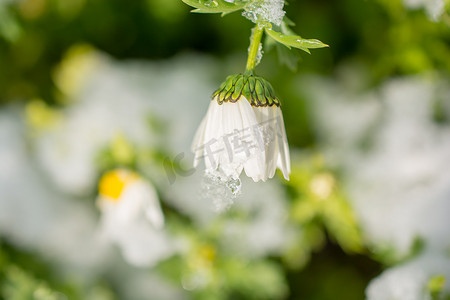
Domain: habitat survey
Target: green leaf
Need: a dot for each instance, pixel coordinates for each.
(295, 41)
(215, 6)
(261, 279)
(19, 285)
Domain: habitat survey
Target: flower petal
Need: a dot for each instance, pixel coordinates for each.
(213, 129)
(267, 118)
(284, 160)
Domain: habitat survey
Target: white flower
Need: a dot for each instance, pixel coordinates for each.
(243, 129)
(132, 217)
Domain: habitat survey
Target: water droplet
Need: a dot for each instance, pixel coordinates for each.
(234, 185)
(259, 55)
(210, 3)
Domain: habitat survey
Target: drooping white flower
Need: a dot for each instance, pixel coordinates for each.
(132, 217)
(243, 130)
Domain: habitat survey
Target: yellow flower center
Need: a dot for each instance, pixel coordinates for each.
(113, 182)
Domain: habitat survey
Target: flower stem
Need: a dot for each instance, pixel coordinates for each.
(254, 48)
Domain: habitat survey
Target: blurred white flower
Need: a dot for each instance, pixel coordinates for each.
(103, 108)
(35, 217)
(132, 217)
(409, 281)
(243, 130)
(398, 183)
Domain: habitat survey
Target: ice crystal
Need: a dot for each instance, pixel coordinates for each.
(259, 55)
(265, 11)
(222, 190)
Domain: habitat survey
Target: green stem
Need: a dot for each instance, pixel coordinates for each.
(257, 34)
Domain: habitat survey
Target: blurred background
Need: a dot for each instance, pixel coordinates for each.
(89, 86)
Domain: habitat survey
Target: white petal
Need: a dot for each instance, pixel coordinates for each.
(232, 126)
(142, 245)
(213, 132)
(204, 139)
(136, 199)
(247, 113)
(268, 127)
(198, 141)
(254, 168)
(129, 204)
(236, 140)
(152, 209)
(284, 160)
(255, 164)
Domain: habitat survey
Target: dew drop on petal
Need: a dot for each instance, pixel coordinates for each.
(210, 3)
(222, 190)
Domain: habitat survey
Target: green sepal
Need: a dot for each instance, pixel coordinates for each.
(251, 85)
(215, 6)
(294, 40)
(238, 89)
(260, 95)
(258, 91)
